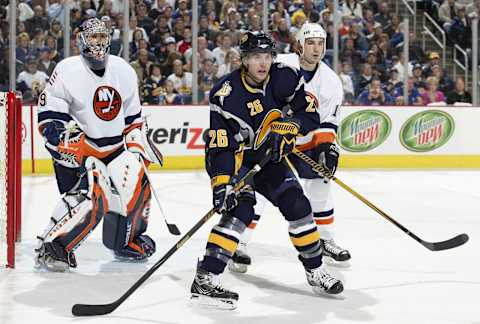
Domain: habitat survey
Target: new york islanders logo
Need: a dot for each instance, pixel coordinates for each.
(106, 103)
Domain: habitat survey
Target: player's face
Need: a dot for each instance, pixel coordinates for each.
(313, 49)
(259, 65)
(98, 42)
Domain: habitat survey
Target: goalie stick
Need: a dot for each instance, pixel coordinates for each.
(172, 228)
(93, 310)
(432, 246)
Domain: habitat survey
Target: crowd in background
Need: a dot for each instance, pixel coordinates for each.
(370, 49)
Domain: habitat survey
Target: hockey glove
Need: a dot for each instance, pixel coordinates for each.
(282, 137)
(137, 141)
(329, 154)
(224, 197)
(66, 144)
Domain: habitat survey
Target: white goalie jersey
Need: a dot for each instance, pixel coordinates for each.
(325, 95)
(103, 107)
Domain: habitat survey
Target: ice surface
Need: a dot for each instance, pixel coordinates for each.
(392, 278)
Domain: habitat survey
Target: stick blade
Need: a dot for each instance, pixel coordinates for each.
(92, 310)
(173, 229)
(448, 244)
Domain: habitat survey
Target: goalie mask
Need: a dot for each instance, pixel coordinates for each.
(311, 30)
(94, 43)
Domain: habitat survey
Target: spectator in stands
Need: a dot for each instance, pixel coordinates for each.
(38, 40)
(432, 94)
(347, 81)
(39, 20)
(31, 81)
(417, 73)
(141, 66)
(447, 11)
(133, 24)
(445, 83)
(298, 19)
(105, 8)
(364, 78)
(459, 94)
(57, 32)
(461, 30)
(134, 44)
(283, 13)
(170, 56)
(415, 49)
(473, 9)
(23, 47)
(384, 16)
(144, 21)
(359, 40)
(434, 59)
(153, 92)
(377, 67)
(182, 81)
(221, 51)
(171, 96)
(228, 65)
(205, 29)
(202, 51)
(24, 11)
(186, 42)
(46, 64)
(350, 54)
(162, 28)
(352, 8)
(414, 97)
(282, 36)
(51, 42)
(374, 95)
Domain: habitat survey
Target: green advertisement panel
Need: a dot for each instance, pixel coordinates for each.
(427, 131)
(364, 130)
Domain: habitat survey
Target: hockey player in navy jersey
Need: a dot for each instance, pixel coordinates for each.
(324, 93)
(90, 117)
(245, 119)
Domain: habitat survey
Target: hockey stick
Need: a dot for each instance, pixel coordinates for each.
(92, 310)
(172, 228)
(432, 246)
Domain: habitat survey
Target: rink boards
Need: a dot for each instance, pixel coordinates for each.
(369, 137)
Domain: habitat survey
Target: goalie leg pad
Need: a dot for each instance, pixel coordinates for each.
(76, 215)
(123, 229)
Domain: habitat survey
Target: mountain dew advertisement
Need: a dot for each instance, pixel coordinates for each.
(364, 130)
(427, 130)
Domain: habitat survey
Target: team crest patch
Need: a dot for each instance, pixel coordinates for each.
(106, 103)
(225, 90)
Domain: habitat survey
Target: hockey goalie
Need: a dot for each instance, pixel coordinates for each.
(91, 119)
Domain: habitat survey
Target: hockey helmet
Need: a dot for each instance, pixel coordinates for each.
(256, 42)
(94, 42)
(311, 30)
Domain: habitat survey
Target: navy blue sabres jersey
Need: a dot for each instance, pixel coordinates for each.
(240, 115)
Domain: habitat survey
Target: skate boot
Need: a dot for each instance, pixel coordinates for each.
(334, 253)
(140, 249)
(53, 257)
(322, 282)
(240, 260)
(206, 291)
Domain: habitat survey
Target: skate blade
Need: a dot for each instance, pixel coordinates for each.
(51, 267)
(322, 293)
(130, 259)
(213, 303)
(237, 267)
(339, 264)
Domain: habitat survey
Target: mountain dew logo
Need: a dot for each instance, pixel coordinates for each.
(364, 130)
(426, 131)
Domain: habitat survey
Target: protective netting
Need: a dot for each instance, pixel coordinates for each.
(3, 178)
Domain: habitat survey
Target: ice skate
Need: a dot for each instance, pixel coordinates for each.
(322, 282)
(334, 254)
(207, 292)
(53, 257)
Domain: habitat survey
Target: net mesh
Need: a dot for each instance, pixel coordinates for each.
(3, 179)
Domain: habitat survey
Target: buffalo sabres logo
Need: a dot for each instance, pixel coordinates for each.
(224, 90)
(106, 103)
(243, 38)
(312, 102)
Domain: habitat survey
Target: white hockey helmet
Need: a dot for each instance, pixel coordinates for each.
(311, 30)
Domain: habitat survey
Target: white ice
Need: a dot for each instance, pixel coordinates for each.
(392, 278)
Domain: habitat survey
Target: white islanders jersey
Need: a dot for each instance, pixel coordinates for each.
(325, 95)
(103, 107)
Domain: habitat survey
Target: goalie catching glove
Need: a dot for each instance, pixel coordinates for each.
(137, 141)
(283, 132)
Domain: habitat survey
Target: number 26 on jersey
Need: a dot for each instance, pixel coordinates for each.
(218, 138)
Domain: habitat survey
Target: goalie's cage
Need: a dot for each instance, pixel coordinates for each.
(10, 175)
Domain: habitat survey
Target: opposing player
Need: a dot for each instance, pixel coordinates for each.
(245, 121)
(90, 117)
(324, 93)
